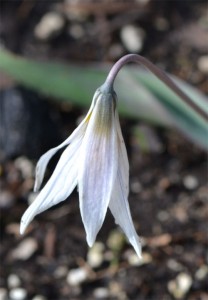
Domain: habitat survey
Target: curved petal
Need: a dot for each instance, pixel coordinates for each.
(119, 206)
(44, 159)
(58, 187)
(123, 158)
(98, 165)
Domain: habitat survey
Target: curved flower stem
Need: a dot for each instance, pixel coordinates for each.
(158, 73)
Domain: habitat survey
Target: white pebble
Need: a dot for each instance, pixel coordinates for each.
(174, 265)
(18, 294)
(132, 37)
(25, 249)
(101, 293)
(76, 31)
(202, 272)
(190, 182)
(39, 297)
(25, 166)
(172, 288)
(61, 272)
(3, 294)
(50, 24)
(76, 276)
(6, 199)
(13, 281)
(95, 255)
(203, 64)
(134, 260)
(180, 286)
(184, 281)
(163, 216)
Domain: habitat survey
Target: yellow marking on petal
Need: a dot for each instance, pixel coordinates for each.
(88, 117)
(104, 115)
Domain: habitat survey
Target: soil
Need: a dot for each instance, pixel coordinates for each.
(168, 178)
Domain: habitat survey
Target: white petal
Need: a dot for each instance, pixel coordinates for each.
(98, 166)
(59, 186)
(44, 159)
(123, 158)
(119, 207)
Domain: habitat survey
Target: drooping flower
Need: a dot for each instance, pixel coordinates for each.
(96, 161)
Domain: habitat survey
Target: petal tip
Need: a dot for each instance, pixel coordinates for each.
(90, 241)
(136, 243)
(23, 227)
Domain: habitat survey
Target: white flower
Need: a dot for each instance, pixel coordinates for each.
(95, 159)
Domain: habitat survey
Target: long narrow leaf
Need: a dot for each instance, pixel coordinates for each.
(140, 94)
(183, 117)
(77, 85)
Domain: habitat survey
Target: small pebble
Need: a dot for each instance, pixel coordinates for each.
(25, 166)
(180, 286)
(174, 265)
(76, 15)
(116, 290)
(6, 199)
(76, 31)
(203, 64)
(95, 255)
(76, 276)
(50, 24)
(3, 294)
(13, 228)
(39, 297)
(184, 281)
(164, 183)
(13, 281)
(18, 294)
(190, 182)
(202, 272)
(134, 260)
(60, 272)
(25, 249)
(101, 293)
(163, 216)
(132, 38)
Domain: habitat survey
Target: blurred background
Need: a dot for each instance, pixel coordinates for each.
(168, 171)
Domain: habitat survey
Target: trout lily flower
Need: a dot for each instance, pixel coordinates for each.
(95, 160)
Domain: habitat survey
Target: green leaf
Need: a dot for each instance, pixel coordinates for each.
(184, 118)
(141, 95)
